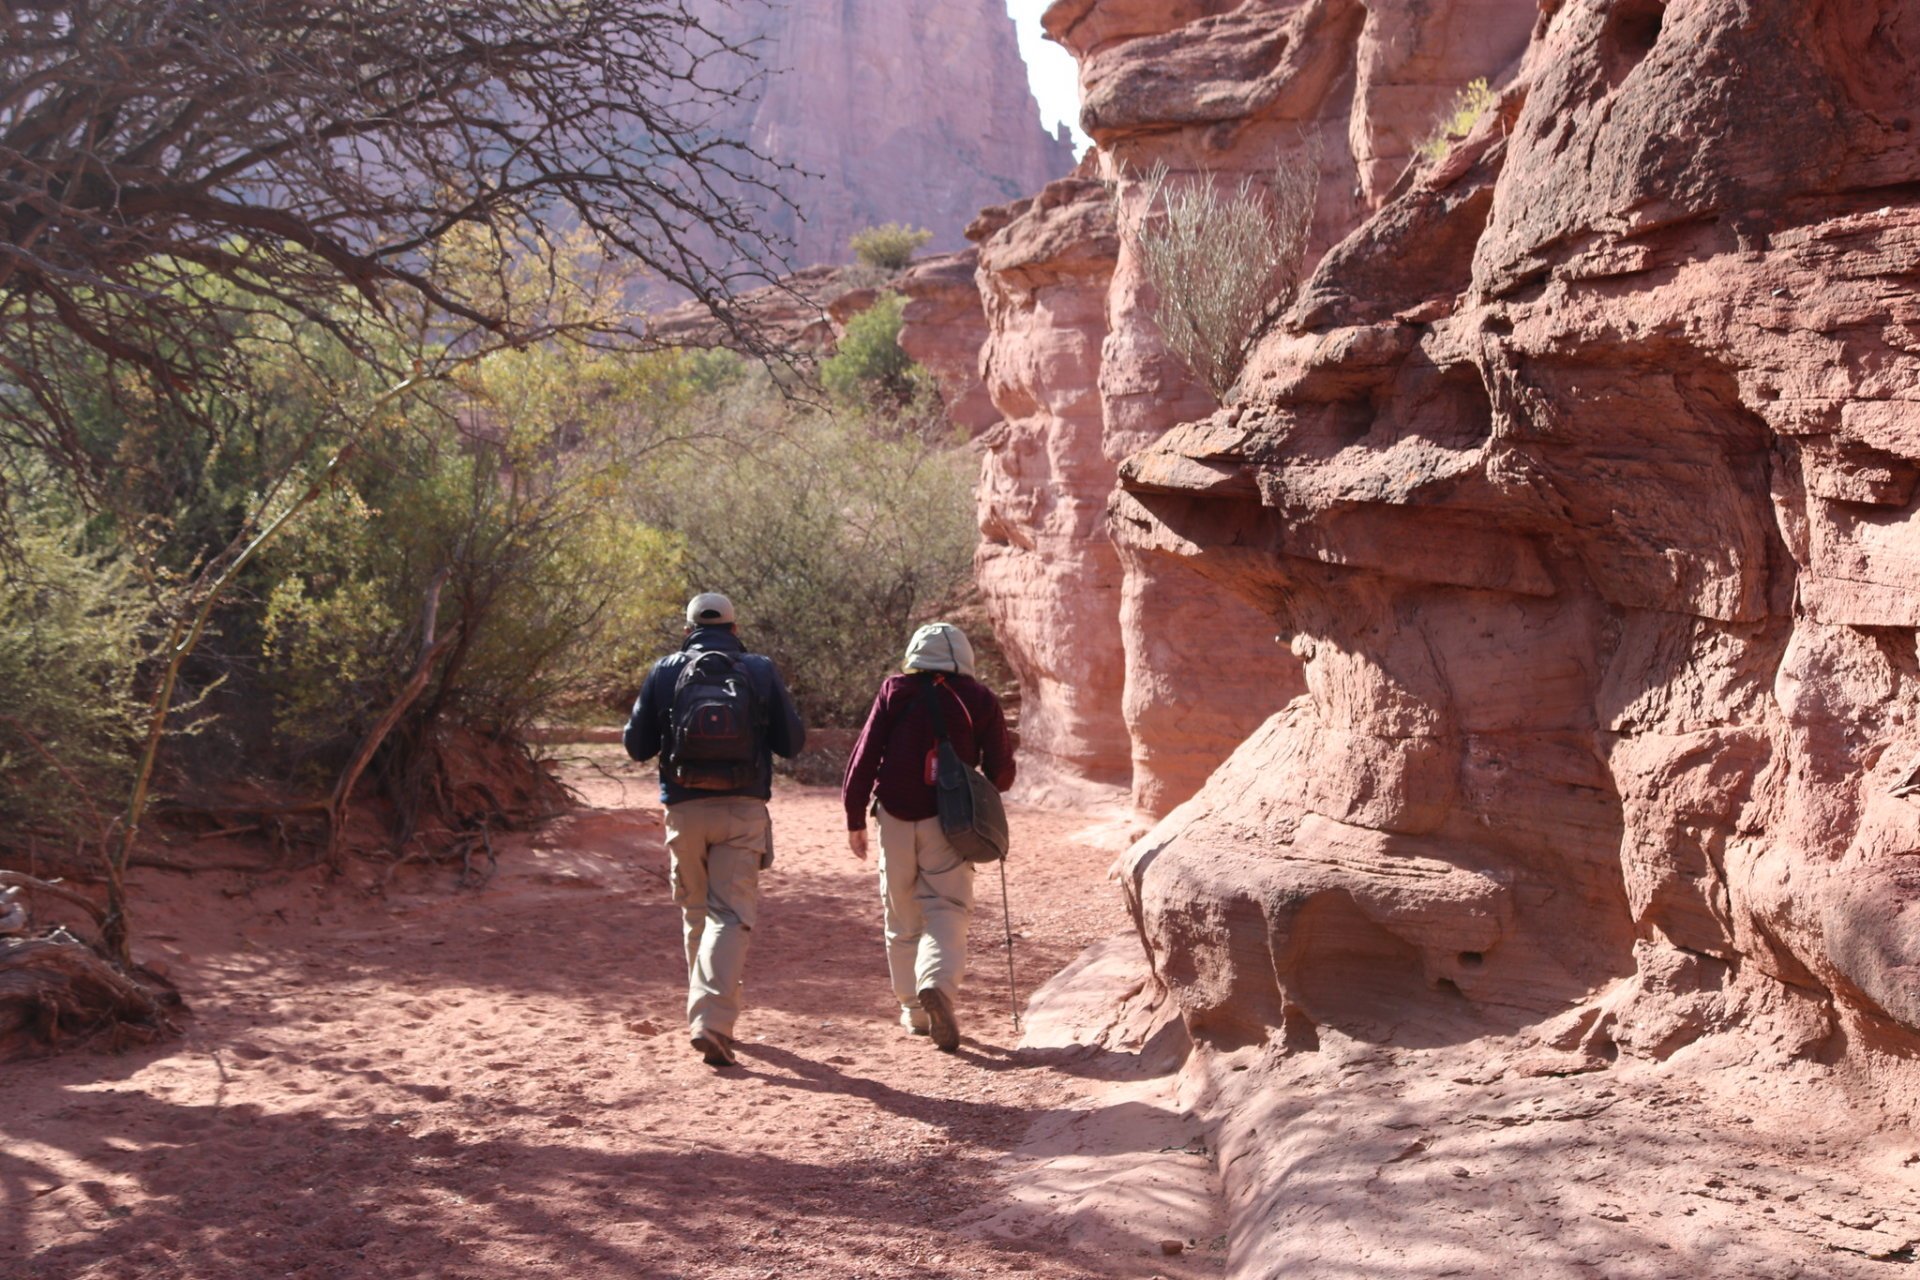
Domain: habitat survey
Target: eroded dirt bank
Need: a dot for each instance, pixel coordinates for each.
(497, 1082)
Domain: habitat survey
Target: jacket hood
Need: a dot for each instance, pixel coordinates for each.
(940, 646)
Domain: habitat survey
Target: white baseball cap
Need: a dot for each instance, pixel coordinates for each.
(709, 609)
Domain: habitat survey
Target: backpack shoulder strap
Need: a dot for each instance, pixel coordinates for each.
(931, 692)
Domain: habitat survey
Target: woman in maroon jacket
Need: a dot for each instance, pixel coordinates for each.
(926, 889)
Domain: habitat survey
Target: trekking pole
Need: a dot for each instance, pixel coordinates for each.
(1006, 914)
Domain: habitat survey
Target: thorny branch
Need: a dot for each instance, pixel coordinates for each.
(167, 169)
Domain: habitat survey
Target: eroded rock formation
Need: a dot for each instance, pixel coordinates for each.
(943, 328)
(1046, 568)
(1227, 89)
(1582, 478)
(1580, 485)
(917, 113)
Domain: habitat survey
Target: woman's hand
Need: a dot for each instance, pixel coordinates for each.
(857, 841)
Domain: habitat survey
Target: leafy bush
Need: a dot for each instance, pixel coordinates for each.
(72, 634)
(1458, 120)
(502, 482)
(1222, 262)
(507, 499)
(832, 536)
(869, 368)
(889, 247)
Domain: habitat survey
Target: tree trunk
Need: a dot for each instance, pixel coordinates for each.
(430, 651)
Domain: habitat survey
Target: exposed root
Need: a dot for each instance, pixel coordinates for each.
(55, 990)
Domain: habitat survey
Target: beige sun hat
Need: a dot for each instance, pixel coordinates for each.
(940, 646)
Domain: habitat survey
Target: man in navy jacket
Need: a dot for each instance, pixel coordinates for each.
(719, 833)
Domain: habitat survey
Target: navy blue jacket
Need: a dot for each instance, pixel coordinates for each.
(650, 726)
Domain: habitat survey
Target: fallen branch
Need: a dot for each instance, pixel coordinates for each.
(468, 880)
(430, 653)
(48, 888)
(224, 832)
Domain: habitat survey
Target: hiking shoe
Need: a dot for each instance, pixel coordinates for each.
(914, 1020)
(716, 1047)
(941, 1024)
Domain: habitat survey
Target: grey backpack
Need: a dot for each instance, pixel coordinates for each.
(973, 817)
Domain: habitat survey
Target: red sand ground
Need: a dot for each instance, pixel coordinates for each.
(459, 1083)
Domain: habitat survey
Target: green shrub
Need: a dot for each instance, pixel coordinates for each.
(1458, 120)
(833, 537)
(1221, 262)
(550, 592)
(72, 635)
(889, 247)
(869, 367)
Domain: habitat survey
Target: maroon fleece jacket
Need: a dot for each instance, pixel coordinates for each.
(891, 758)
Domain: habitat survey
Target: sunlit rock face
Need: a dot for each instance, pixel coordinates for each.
(885, 111)
(1341, 89)
(1233, 89)
(1581, 481)
(943, 328)
(1046, 568)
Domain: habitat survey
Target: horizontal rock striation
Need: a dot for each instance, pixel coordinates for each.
(1582, 480)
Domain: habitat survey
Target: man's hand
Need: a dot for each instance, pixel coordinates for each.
(857, 841)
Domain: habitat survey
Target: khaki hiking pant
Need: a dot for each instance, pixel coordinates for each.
(926, 892)
(718, 847)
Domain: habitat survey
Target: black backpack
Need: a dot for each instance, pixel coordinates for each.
(973, 817)
(715, 724)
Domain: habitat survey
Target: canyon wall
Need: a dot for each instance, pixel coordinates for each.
(885, 111)
(1229, 89)
(1526, 657)
(1582, 480)
(1047, 570)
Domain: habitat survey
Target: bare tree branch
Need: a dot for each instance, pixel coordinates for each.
(293, 149)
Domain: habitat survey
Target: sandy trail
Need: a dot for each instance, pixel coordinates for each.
(498, 1082)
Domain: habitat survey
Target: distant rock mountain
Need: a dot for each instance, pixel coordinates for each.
(914, 111)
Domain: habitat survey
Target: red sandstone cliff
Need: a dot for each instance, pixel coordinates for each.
(914, 111)
(1580, 484)
(1046, 568)
(1228, 88)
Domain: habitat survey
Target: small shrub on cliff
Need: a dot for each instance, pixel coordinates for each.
(1221, 261)
(1458, 120)
(890, 246)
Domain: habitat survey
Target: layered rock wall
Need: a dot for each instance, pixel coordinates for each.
(1582, 478)
(1047, 569)
(1229, 90)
